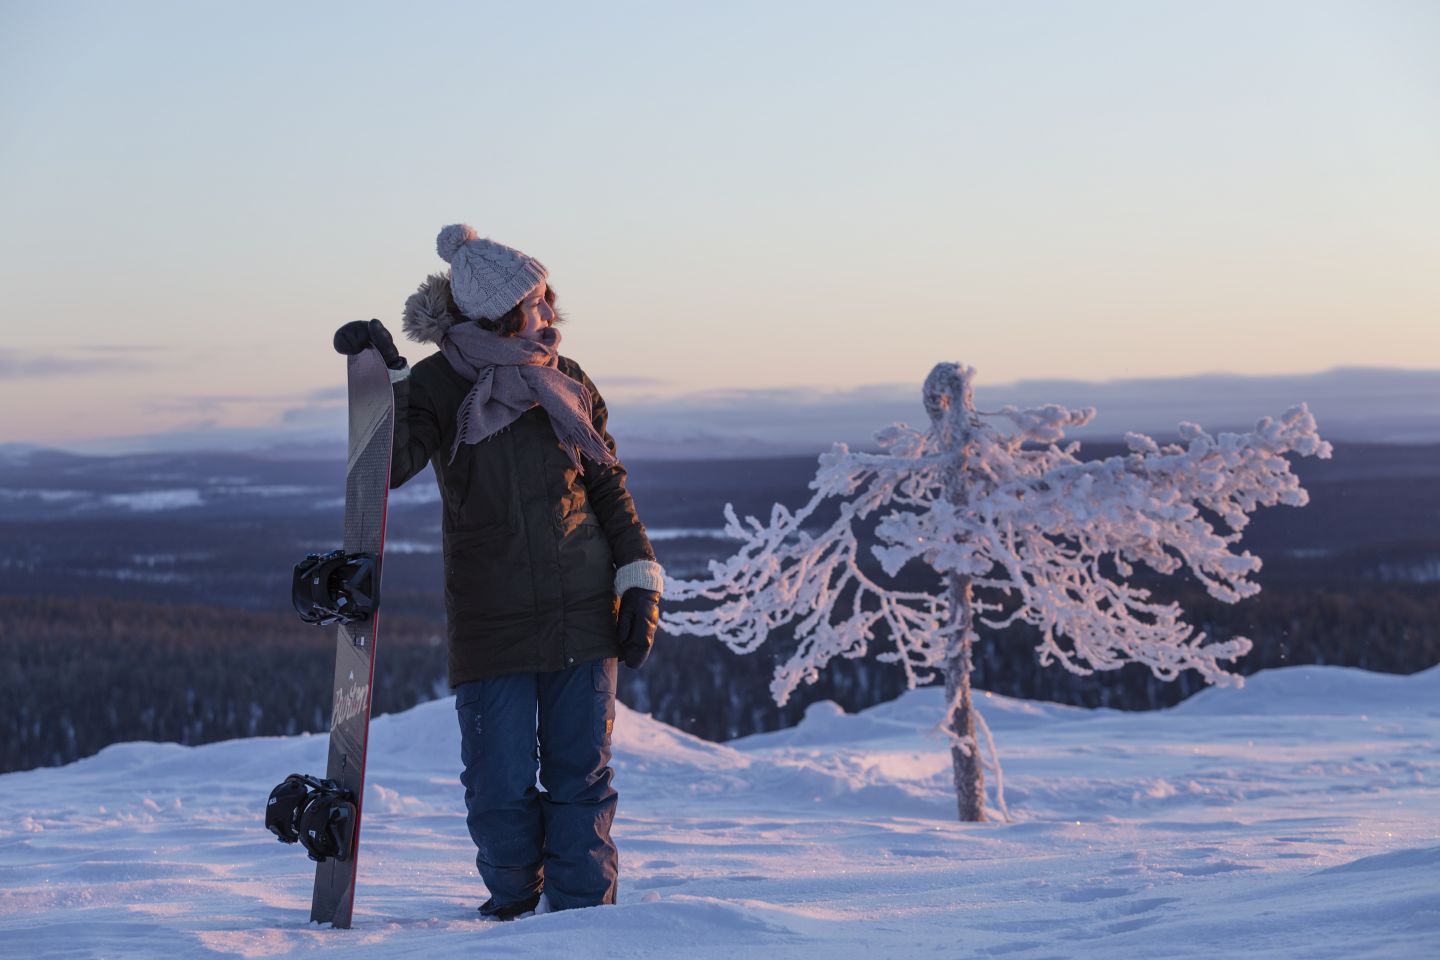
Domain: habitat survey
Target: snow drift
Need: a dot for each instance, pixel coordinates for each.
(1295, 817)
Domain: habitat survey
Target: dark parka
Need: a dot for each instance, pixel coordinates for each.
(531, 545)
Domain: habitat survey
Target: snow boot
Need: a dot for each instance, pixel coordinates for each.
(491, 910)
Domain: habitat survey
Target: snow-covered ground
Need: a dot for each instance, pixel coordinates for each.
(1298, 817)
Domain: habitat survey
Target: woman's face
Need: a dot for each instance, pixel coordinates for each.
(536, 313)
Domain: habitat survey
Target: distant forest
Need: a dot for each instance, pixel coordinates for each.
(80, 674)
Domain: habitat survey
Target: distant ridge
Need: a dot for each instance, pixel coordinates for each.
(1369, 404)
(1377, 405)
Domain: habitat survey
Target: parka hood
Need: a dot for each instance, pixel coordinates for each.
(430, 310)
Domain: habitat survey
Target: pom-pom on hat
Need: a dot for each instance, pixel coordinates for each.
(486, 278)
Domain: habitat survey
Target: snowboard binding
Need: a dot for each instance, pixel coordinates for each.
(317, 814)
(335, 587)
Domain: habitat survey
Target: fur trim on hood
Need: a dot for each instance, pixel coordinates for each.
(430, 310)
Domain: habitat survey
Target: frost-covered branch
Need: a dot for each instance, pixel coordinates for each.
(1034, 526)
(783, 574)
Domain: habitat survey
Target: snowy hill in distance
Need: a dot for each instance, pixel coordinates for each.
(1296, 817)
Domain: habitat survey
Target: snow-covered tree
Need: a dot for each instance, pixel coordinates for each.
(995, 519)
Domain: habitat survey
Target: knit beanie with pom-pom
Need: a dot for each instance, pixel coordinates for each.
(486, 278)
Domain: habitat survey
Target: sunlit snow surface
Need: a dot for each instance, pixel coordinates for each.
(1297, 817)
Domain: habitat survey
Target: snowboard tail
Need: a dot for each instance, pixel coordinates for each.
(367, 488)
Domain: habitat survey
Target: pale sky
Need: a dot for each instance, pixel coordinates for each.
(728, 196)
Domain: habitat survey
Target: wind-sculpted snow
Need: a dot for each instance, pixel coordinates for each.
(1329, 691)
(1295, 817)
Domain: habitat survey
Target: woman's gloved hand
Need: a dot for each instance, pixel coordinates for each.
(639, 615)
(356, 335)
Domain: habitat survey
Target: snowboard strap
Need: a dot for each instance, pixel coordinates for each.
(283, 809)
(327, 825)
(317, 814)
(334, 587)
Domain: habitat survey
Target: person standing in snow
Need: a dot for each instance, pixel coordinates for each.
(549, 575)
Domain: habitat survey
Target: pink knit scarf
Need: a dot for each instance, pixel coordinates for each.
(512, 375)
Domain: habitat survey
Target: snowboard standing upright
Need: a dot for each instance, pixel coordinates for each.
(367, 485)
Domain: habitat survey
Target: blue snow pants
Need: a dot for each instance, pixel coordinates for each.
(556, 839)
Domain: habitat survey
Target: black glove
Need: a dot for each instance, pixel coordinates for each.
(639, 615)
(356, 335)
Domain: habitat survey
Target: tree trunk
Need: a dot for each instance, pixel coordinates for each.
(969, 773)
(950, 403)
